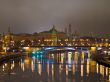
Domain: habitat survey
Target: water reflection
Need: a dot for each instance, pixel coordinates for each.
(39, 68)
(88, 66)
(22, 65)
(68, 67)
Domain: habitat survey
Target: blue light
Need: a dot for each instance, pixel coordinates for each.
(49, 48)
(70, 48)
(37, 52)
(41, 52)
(41, 56)
(33, 57)
(37, 56)
(34, 52)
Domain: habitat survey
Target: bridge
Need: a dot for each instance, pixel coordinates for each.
(41, 54)
(51, 49)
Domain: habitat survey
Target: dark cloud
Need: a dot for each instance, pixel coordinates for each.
(38, 15)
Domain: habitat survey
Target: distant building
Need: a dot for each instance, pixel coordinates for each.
(8, 37)
(48, 34)
(53, 37)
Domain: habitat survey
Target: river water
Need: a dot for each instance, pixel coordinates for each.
(75, 66)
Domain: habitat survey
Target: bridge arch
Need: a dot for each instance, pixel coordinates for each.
(41, 54)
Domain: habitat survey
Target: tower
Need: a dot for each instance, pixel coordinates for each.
(3, 44)
(66, 31)
(91, 34)
(8, 37)
(76, 34)
(9, 30)
(54, 36)
(70, 30)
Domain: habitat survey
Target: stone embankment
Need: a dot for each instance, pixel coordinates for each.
(102, 59)
(6, 57)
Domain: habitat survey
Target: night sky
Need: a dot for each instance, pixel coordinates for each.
(29, 16)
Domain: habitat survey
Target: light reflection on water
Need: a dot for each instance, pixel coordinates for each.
(70, 67)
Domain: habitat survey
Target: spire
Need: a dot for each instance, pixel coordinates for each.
(70, 25)
(53, 27)
(66, 30)
(3, 34)
(76, 34)
(9, 29)
(53, 30)
(91, 34)
(70, 30)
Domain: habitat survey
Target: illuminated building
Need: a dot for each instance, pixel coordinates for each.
(8, 38)
(52, 37)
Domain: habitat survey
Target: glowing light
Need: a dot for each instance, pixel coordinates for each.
(39, 68)
(62, 56)
(5, 64)
(82, 55)
(70, 48)
(73, 69)
(34, 52)
(69, 45)
(106, 71)
(60, 68)
(105, 52)
(82, 71)
(22, 66)
(102, 70)
(52, 55)
(67, 70)
(52, 70)
(92, 63)
(41, 52)
(99, 48)
(37, 56)
(3, 67)
(89, 54)
(32, 66)
(97, 68)
(27, 60)
(12, 65)
(88, 67)
(76, 57)
(69, 57)
(49, 48)
(26, 48)
(93, 49)
(69, 67)
(87, 70)
(108, 75)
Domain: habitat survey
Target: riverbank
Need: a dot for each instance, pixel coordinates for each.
(6, 57)
(102, 59)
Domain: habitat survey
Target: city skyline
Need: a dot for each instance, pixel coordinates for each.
(39, 15)
(67, 30)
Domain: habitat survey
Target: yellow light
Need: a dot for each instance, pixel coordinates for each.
(32, 66)
(39, 68)
(82, 71)
(92, 63)
(26, 48)
(27, 60)
(106, 71)
(69, 57)
(93, 49)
